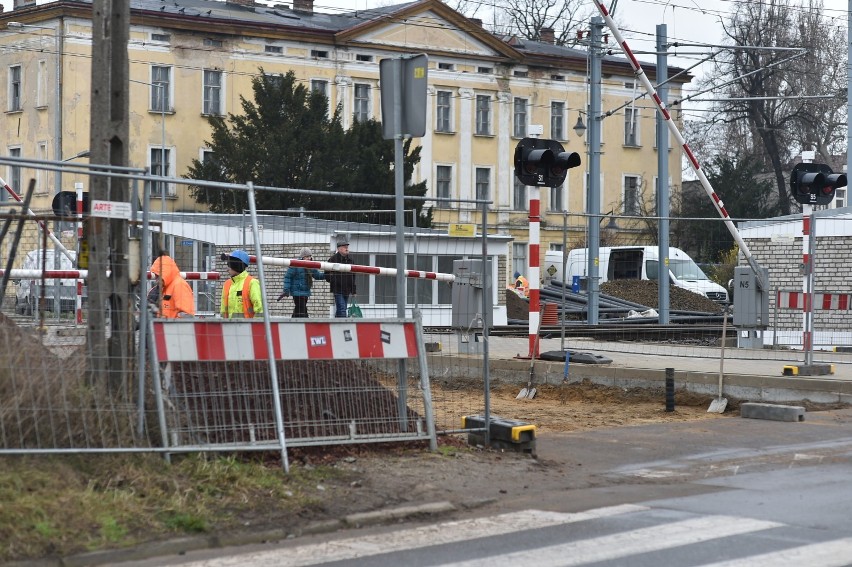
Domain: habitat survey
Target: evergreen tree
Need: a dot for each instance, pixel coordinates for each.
(286, 138)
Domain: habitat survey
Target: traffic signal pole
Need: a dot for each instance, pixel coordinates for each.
(594, 184)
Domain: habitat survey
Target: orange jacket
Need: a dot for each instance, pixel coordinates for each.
(176, 294)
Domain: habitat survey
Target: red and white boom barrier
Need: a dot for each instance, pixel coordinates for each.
(355, 268)
(705, 183)
(17, 274)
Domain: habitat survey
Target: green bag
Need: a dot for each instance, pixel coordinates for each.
(354, 310)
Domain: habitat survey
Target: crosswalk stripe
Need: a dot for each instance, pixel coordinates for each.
(837, 553)
(413, 538)
(624, 544)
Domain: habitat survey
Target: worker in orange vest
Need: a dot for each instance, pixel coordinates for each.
(241, 297)
(173, 295)
(521, 283)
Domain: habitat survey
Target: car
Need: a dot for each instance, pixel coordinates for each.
(28, 291)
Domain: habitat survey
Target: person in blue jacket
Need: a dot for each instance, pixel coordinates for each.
(298, 283)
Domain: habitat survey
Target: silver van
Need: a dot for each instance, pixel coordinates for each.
(29, 291)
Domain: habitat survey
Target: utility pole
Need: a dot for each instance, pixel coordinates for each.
(663, 178)
(110, 361)
(594, 195)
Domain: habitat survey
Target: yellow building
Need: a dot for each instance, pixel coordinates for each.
(193, 58)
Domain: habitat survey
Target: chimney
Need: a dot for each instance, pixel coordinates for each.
(476, 21)
(546, 35)
(306, 6)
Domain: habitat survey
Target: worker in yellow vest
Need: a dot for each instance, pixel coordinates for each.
(241, 297)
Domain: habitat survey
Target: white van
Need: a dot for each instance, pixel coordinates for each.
(28, 291)
(634, 263)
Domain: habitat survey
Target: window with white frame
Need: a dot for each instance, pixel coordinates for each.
(41, 93)
(443, 111)
(362, 102)
(519, 257)
(15, 88)
(519, 129)
(160, 166)
(320, 86)
(839, 198)
(631, 126)
(557, 120)
(14, 176)
(212, 92)
(483, 115)
(161, 79)
(519, 200)
(274, 80)
(483, 184)
(443, 185)
(632, 185)
(557, 201)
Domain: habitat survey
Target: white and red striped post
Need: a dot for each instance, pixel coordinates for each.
(78, 188)
(534, 268)
(534, 256)
(807, 274)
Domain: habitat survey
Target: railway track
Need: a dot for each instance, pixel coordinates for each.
(613, 332)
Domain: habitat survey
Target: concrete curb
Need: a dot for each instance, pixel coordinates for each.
(179, 546)
(772, 412)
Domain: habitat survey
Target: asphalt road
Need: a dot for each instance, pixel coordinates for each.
(731, 492)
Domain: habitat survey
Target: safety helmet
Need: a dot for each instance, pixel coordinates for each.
(240, 255)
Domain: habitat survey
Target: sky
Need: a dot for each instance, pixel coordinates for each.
(693, 21)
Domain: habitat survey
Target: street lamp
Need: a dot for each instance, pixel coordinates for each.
(579, 127)
(162, 87)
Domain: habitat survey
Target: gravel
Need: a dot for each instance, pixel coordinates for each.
(646, 293)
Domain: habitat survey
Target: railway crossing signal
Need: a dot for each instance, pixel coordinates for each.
(815, 183)
(543, 162)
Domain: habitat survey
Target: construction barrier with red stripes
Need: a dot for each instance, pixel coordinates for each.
(821, 300)
(337, 382)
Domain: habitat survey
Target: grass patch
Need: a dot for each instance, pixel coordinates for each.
(61, 505)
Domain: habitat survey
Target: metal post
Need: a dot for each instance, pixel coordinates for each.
(486, 307)
(399, 189)
(143, 306)
(267, 327)
(564, 283)
(163, 147)
(663, 179)
(594, 200)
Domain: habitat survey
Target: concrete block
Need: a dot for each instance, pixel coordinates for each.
(774, 412)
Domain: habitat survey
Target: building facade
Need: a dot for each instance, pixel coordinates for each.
(190, 59)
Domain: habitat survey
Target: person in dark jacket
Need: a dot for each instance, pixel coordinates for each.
(342, 284)
(298, 283)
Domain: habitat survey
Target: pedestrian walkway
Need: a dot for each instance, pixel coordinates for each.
(621, 534)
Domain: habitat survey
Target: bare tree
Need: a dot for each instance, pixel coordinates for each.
(528, 17)
(765, 116)
(822, 122)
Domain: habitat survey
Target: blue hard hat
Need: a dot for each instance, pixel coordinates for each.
(517, 275)
(240, 255)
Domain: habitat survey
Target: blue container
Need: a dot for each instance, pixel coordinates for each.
(575, 284)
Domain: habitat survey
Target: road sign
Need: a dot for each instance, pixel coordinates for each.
(110, 209)
(411, 75)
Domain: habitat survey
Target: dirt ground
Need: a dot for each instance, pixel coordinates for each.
(574, 407)
(387, 476)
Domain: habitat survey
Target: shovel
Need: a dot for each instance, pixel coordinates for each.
(719, 404)
(529, 391)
